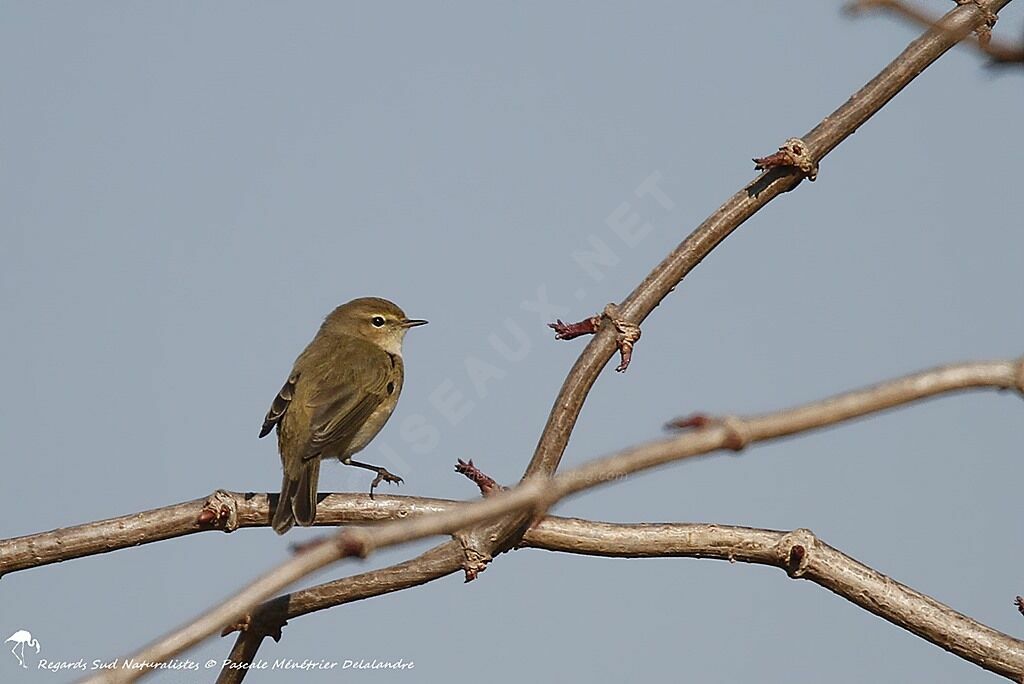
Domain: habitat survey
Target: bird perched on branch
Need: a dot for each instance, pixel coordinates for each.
(341, 391)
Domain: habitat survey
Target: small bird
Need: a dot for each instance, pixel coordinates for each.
(341, 391)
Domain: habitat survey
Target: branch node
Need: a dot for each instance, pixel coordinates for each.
(997, 54)
(354, 543)
(794, 153)
(795, 551)
(220, 511)
(473, 562)
(736, 434)
(626, 333)
(984, 30)
(487, 484)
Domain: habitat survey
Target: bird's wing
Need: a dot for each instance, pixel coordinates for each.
(280, 405)
(339, 406)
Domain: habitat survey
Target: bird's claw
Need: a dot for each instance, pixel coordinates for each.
(384, 476)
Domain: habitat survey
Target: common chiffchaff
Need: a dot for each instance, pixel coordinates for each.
(341, 391)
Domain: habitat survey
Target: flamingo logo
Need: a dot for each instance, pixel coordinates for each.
(22, 638)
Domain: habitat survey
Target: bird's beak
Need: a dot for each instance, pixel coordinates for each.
(413, 322)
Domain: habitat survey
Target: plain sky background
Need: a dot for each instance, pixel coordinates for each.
(188, 188)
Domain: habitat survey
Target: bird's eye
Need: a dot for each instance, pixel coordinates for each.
(378, 321)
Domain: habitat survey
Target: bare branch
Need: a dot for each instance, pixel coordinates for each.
(247, 510)
(536, 495)
(825, 137)
(270, 617)
(487, 541)
(997, 52)
(818, 563)
(254, 510)
(484, 541)
(243, 653)
(803, 556)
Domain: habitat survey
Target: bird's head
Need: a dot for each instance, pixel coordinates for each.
(374, 319)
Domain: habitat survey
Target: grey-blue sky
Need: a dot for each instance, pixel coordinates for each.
(188, 188)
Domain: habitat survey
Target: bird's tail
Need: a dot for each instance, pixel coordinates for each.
(297, 502)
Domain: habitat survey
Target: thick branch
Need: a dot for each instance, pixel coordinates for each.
(482, 543)
(270, 617)
(233, 510)
(833, 129)
(487, 540)
(803, 556)
(536, 495)
(818, 562)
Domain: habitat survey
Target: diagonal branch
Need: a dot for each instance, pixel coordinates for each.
(271, 616)
(998, 52)
(821, 140)
(536, 495)
(484, 541)
(487, 541)
(799, 553)
(233, 510)
(803, 556)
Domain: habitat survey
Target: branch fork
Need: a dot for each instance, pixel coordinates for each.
(473, 562)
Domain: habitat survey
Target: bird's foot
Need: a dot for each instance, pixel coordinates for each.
(383, 475)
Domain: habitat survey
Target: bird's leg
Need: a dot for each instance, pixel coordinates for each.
(382, 474)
